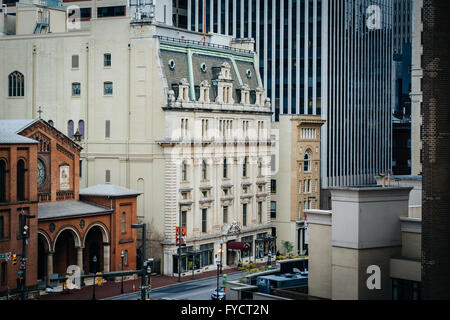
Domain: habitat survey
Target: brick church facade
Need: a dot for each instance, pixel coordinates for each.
(39, 175)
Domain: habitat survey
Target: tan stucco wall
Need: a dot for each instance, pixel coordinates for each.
(349, 273)
(406, 269)
(319, 265)
(412, 245)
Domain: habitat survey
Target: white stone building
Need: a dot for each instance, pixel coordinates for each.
(145, 98)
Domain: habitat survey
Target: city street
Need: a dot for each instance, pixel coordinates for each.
(187, 290)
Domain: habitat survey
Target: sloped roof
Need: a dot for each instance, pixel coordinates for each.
(108, 190)
(9, 131)
(61, 209)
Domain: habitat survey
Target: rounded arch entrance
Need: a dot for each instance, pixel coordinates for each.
(65, 249)
(44, 248)
(96, 244)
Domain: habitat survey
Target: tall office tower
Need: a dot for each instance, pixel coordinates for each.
(402, 23)
(288, 39)
(321, 57)
(357, 143)
(401, 107)
(416, 88)
(436, 151)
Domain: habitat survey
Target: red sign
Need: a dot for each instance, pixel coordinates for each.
(183, 235)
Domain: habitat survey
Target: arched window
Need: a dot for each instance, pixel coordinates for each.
(16, 84)
(2, 181)
(20, 180)
(184, 171)
(204, 170)
(81, 128)
(70, 129)
(307, 162)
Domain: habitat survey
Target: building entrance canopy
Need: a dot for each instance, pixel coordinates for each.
(236, 245)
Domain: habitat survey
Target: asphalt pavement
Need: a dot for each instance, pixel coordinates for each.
(200, 289)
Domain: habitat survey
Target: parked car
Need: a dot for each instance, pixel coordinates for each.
(220, 296)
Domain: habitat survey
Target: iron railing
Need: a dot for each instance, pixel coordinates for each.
(204, 44)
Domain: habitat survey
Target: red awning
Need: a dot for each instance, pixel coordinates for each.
(236, 245)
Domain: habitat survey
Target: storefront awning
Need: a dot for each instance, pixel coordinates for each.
(236, 245)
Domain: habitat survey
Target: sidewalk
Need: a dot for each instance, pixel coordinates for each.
(111, 289)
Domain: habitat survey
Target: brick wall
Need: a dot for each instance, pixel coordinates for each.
(436, 151)
(11, 209)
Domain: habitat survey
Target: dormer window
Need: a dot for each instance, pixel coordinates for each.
(245, 94)
(259, 96)
(204, 91)
(224, 84)
(183, 90)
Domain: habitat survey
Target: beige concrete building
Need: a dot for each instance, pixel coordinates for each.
(416, 88)
(159, 111)
(296, 182)
(366, 248)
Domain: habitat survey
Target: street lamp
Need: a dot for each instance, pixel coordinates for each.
(122, 254)
(221, 251)
(218, 262)
(94, 260)
(144, 234)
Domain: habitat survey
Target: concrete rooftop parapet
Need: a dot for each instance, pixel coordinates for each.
(369, 216)
(413, 225)
(316, 216)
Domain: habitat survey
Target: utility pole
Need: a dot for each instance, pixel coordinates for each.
(23, 264)
(142, 226)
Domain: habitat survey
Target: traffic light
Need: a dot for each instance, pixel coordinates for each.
(14, 258)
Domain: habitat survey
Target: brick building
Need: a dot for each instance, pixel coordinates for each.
(72, 225)
(18, 194)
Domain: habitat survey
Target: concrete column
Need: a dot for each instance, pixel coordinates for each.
(49, 265)
(80, 258)
(106, 258)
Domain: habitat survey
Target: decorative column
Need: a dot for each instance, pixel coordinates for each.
(106, 257)
(80, 258)
(49, 265)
